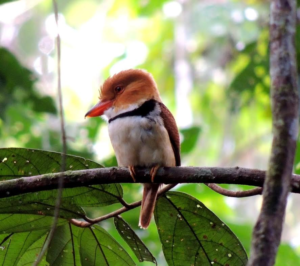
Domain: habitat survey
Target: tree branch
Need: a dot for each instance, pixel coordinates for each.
(167, 175)
(235, 194)
(285, 105)
(117, 212)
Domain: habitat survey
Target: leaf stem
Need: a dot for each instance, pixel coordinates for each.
(88, 222)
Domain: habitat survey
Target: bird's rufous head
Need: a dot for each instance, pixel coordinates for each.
(128, 87)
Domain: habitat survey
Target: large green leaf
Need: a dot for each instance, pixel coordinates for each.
(12, 223)
(16, 245)
(21, 248)
(192, 235)
(39, 207)
(43, 203)
(97, 247)
(70, 245)
(135, 243)
(63, 249)
(73, 199)
(34, 211)
(18, 162)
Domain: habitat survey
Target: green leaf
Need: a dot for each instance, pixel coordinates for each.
(70, 245)
(16, 246)
(12, 223)
(34, 211)
(30, 255)
(63, 249)
(190, 137)
(18, 162)
(73, 199)
(134, 242)
(5, 240)
(192, 235)
(97, 247)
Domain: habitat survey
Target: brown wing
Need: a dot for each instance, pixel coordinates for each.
(172, 129)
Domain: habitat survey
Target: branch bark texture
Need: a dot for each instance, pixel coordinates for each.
(285, 101)
(167, 175)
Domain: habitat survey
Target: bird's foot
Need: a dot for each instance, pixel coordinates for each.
(153, 172)
(132, 172)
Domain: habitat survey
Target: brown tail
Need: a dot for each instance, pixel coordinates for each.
(148, 204)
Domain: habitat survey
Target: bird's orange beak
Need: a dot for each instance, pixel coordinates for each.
(99, 109)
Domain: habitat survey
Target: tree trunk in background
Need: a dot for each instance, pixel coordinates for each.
(285, 105)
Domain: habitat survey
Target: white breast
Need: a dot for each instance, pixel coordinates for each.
(141, 141)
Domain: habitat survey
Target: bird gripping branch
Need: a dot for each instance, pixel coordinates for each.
(142, 130)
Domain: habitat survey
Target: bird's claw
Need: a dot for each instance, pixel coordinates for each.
(132, 172)
(153, 172)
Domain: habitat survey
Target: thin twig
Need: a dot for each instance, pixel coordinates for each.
(124, 203)
(64, 144)
(90, 222)
(235, 194)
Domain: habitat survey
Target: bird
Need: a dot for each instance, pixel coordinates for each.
(142, 130)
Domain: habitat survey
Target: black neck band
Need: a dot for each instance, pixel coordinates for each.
(146, 108)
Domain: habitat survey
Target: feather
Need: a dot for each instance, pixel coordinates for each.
(151, 190)
(148, 204)
(172, 129)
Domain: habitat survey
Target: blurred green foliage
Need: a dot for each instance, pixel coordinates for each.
(226, 51)
(17, 87)
(5, 1)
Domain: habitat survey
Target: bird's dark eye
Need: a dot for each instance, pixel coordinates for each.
(118, 89)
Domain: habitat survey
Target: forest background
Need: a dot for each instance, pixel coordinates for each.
(211, 63)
